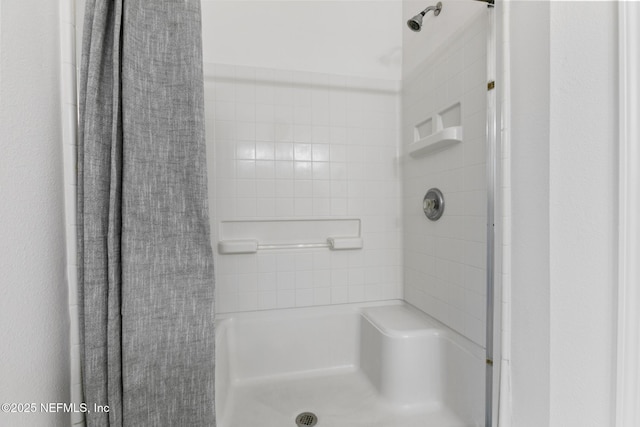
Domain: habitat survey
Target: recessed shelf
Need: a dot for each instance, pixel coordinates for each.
(437, 141)
(442, 130)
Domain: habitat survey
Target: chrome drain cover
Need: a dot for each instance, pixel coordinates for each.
(306, 419)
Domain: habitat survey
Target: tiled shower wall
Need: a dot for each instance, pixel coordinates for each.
(297, 145)
(444, 261)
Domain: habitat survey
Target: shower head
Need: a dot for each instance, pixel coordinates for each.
(415, 23)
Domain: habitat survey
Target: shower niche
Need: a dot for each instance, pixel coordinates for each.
(437, 132)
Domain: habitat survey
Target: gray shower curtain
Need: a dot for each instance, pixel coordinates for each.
(145, 268)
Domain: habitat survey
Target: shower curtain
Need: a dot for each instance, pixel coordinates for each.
(145, 265)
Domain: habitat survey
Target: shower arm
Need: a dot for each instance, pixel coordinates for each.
(436, 10)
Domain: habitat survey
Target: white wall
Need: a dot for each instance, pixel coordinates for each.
(417, 46)
(445, 261)
(530, 109)
(34, 335)
(355, 38)
(288, 145)
(303, 122)
(564, 133)
(583, 204)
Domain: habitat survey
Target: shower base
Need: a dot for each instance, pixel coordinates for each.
(340, 398)
(370, 365)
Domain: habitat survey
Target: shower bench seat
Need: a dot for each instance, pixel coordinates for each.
(383, 364)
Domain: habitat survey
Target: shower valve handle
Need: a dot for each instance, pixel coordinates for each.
(429, 204)
(433, 204)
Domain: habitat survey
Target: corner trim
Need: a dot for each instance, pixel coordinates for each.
(628, 334)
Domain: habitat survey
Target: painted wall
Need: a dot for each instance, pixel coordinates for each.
(530, 111)
(583, 230)
(354, 38)
(33, 294)
(564, 130)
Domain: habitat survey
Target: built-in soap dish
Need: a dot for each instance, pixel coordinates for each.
(440, 131)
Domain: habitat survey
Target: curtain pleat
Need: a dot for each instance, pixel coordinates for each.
(145, 264)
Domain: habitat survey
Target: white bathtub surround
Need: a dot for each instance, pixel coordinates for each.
(445, 260)
(383, 364)
(288, 145)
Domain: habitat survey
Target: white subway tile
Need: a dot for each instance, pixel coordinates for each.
(264, 94)
(339, 206)
(356, 293)
(267, 300)
(321, 171)
(304, 297)
(283, 95)
(225, 110)
(247, 282)
(265, 114)
(284, 114)
(339, 277)
(285, 208)
(247, 301)
(302, 116)
(246, 208)
(266, 188)
(245, 91)
(267, 281)
(303, 279)
(265, 132)
(245, 131)
(303, 207)
(265, 169)
(270, 177)
(321, 207)
(321, 189)
(226, 302)
(304, 261)
(321, 135)
(224, 91)
(322, 296)
(245, 112)
(302, 133)
(284, 188)
(286, 298)
(303, 170)
(245, 188)
(339, 295)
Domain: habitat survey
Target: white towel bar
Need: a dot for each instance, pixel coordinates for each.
(252, 246)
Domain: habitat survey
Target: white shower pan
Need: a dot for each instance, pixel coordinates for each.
(383, 364)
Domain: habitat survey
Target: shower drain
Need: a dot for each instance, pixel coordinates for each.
(306, 419)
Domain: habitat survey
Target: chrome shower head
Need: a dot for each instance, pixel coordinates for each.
(415, 23)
